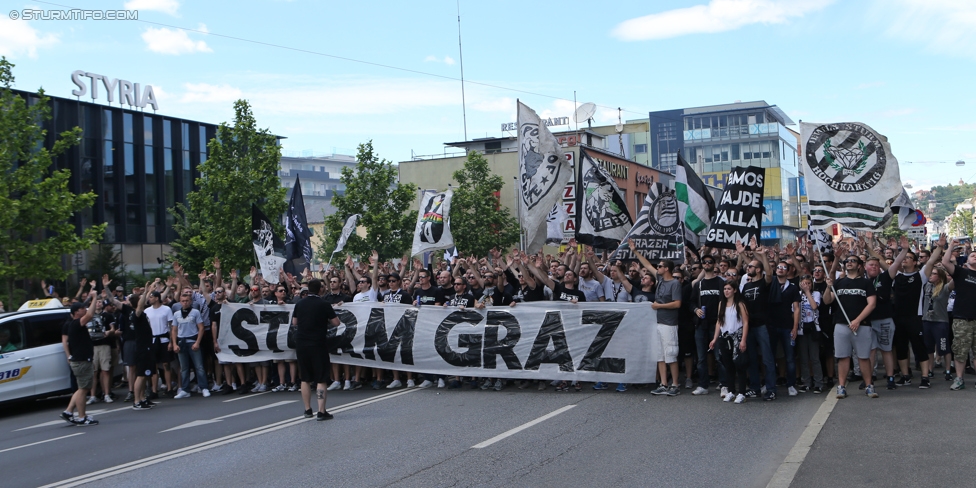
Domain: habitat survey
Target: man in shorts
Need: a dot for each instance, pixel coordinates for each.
(963, 312)
(856, 296)
(78, 349)
(140, 351)
(160, 319)
(313, 318)
(667, 302)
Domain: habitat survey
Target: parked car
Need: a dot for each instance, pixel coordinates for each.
(32, 360)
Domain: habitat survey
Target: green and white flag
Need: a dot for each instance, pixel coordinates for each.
(695, 203)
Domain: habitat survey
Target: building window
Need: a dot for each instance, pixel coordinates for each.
(640, 148)
(126, 127)
(493, 147)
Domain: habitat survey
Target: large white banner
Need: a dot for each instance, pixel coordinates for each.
(610, 342)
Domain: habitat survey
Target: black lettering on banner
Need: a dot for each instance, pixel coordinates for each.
(513, 332)
(470, 358)
(593, 360)
(237, 321)
(401, 338)
(551, 330)
(274, 321)
(343, 345)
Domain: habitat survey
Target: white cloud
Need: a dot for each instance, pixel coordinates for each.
(166, 6)
(943, 26)
(434, 59)
(717, 16)
(17, 37)
(173, 41)
(207, 93)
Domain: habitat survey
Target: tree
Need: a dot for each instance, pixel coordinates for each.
(892, 231)
(106, 261)
(961, 223)
(478, 221)
(242, 169)
(372, 191)
(36, 206)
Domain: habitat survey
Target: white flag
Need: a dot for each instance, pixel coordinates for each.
(270, 264)
(433, 229)
(852, 176)
(555, 223)
(347, 231)
(543, 173)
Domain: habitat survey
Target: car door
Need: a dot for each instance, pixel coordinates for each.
(46, 352)
(16, 375)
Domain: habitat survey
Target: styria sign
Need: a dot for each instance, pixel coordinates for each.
(127, 91)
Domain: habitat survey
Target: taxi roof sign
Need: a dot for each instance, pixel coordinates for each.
(40, 304)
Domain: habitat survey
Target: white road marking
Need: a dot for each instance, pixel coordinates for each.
(197, 423)
(787, 471)
(521, 427)
(89, 412)
(250, 395)
(40, 442)
(203, 446)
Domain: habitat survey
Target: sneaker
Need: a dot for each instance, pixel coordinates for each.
(233, 386)
(309, 414)
(599, 385)
(129, 398)
(394, 384)
(562, 386)
(149, 402)
(924, 384)
(279, 388)
(700, 391)
(440, 382)
(770, 396)
(181, 394)
(455, 384)
(957, 384)
(817, 390)
(88, 420)
(792, 391)
(261, 388)
(334, 386)
(217, 388)
(841, 392)
(486, 384)
(621, 388)
(355, 385)
(661, 390)
(426, 384)
(320, 416)
(195, 389)
(205, 393)
(728, 397)
(542, 386)
(66, 416)
(347, 386)
(673, 390)
(862, 385)
(948, 375)
(499, 385)
(141, 406)
(869, 391)
(107, 399)
(892, 384)
(578, 386)
(762, 390)
(740, 398)
(724, 392)
(376, 385)
(689, 384)
(903, 381)
(411, 384)
(474, 384)
(803, 388)
(750, 394)
(153, 396)
(91, 400)
(931, 374)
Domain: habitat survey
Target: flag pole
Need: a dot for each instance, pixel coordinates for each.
(832, 289)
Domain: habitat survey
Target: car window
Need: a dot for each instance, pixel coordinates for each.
(45, 329)
(12, 336)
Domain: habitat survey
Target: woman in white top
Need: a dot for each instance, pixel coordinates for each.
(731, 331)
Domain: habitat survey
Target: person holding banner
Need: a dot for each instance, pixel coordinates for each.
(313, 318)
(855, 296)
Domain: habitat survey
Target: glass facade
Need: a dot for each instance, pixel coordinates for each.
(121, 157)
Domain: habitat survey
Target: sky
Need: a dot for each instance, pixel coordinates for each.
(331, 75)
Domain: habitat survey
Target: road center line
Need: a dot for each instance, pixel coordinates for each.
(271, 405)
(203, 446)
(521, 427)
(787, 471)
(40, 442)
(247, 396)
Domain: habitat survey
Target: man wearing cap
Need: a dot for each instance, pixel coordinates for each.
(78, 349)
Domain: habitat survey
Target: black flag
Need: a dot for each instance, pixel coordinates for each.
(298, 244)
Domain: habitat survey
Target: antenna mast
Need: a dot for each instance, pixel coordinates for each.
(464, 110)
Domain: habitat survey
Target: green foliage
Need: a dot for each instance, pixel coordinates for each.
(892, 231)
(961, 223)
(36, 206)
(478, 221)
(946, 198)
(371, 191)
(242, 169)
(106, 261)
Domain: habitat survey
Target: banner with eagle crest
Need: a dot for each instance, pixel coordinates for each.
(602, 219)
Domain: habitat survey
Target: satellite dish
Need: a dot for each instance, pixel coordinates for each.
(619, 127)
(585, 112)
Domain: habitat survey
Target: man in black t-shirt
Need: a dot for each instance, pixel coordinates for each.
(856, 297)
(143, 357)
(461, 297)
(78, 349)
(426, 293)
(963, 311)
(706, 294)
(755, 293)
(313, 318)
(783, 321)
(881, 318)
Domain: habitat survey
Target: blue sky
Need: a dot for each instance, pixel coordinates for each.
(905, 67)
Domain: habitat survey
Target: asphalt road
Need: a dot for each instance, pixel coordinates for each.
(412, 438)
